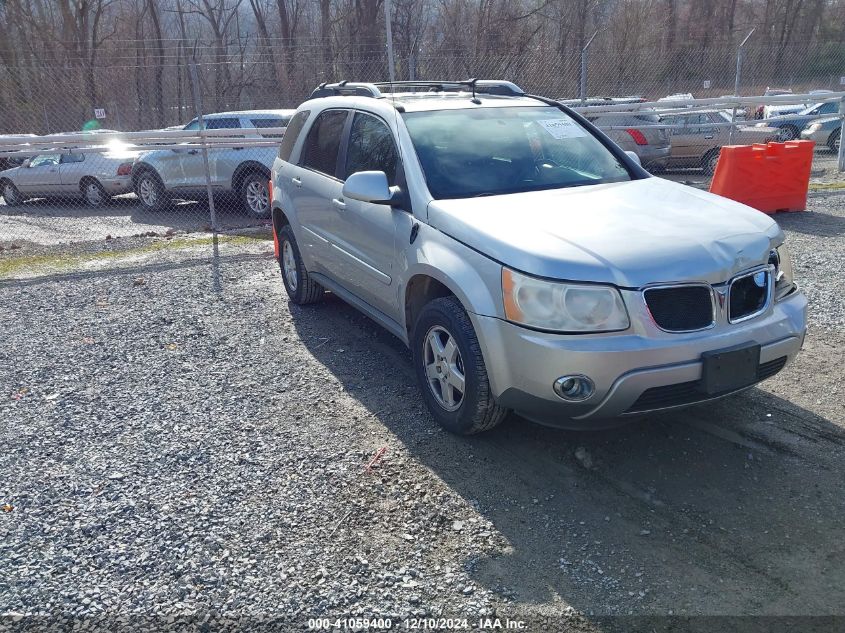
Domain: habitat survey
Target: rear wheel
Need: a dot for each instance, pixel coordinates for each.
(834, 140)
(94, 193)
(300, 287)
(10, 193)
(151, 192)
(255, 195)
(451, 371)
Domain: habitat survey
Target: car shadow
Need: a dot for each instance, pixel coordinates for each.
(731, 507)
(821, 223)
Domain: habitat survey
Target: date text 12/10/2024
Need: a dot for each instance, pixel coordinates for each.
(416, 624)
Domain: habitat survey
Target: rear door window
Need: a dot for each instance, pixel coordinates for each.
(222, 124)
(323, 142)
(294, 127)
(371, 148)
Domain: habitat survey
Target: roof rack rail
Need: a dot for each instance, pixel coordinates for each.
(346, 88)
(377, 89)
(481, 86)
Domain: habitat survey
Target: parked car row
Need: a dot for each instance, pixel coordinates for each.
(159, 175)
(693, 140)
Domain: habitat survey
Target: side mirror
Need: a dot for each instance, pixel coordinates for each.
(26, 162)
(634, 157)
(369, 186)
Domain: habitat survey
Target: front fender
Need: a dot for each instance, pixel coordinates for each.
(475, 279)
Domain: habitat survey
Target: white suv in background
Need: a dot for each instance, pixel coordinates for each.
(160, 175)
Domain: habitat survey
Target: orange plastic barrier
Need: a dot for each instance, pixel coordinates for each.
(771, 177)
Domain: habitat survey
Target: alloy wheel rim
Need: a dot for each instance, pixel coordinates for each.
(9, 193)
(148, 192)
(257, 197)
(289, 266)
(444, 368)
(92, 193)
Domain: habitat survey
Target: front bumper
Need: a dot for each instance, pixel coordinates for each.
(523, 364)
(819, 136)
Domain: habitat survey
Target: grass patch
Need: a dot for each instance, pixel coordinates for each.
(827, 186)
(65, 261)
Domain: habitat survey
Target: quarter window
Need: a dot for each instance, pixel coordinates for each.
(323, 142)
(371, 148)
(265, 123)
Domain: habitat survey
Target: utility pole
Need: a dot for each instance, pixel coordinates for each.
(389, 29)
(582, 93)
(740, 54)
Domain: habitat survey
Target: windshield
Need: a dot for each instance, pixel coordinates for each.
(488, 151)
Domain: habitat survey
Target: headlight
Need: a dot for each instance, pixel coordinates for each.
(815, 127)
(784, 280)
(562, 307)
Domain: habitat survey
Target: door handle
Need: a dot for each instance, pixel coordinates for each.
(338, 204)
(297, 182)
(193, 152)
(709, 137)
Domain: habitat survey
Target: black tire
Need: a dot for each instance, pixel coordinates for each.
(709, 162)
(254, 195)
(151, 192)
(477, 410)
(834, 139)
(94, 193)
(301, 289)
(788, 133)
(10, 193)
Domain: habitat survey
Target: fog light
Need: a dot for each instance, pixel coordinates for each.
(574, 388)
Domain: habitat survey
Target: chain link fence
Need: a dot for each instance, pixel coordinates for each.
(89, 184)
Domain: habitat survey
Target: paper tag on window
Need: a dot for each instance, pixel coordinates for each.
(563, 128)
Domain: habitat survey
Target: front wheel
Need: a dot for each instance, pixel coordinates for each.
(788, 133)
(451, 371)
(11, 194)
(255, 195)
(151, 192)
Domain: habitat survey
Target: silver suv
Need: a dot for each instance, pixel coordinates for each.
(160, 175)
(529, 263)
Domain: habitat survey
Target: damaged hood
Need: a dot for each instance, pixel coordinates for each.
(629, 234)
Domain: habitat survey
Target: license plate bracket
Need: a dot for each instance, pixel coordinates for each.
(730, 369)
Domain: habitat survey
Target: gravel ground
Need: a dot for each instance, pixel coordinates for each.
(173, 453)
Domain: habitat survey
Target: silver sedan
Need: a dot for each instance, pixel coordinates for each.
(95, 177)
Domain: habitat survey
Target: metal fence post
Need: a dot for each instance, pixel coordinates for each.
(740, 54)
(842, 135)
(582, 92)
(197, 95)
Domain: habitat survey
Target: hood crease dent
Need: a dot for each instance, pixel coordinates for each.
(628, 234)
